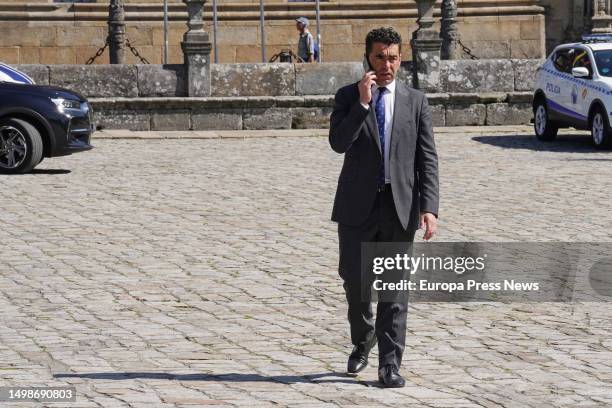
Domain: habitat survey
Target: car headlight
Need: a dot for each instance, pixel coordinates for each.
(67, 105)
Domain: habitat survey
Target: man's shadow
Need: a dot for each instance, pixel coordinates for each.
(229, 377)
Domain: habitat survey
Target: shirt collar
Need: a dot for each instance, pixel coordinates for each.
(390, 87)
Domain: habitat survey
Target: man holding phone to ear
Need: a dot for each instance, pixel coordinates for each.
(387, 189)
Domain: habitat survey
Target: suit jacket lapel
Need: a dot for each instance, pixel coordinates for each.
(401, 112)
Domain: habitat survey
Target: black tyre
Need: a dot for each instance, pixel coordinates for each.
(545, 129)
(21, 146)
(600, 129)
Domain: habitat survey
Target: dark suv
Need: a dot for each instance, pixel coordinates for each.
(41, 121)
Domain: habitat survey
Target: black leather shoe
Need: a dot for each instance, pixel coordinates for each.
(358, 360)
(389, 377)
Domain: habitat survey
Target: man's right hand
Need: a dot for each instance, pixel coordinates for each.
(365, 87)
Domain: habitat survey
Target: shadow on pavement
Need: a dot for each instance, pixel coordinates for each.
(50, 171)
(563, 143)
(229, 377)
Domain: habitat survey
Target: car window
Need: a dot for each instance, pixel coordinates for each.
(564, 59)
(583, 60)
(603, 61)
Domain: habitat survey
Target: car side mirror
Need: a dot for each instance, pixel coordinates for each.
(580, 72)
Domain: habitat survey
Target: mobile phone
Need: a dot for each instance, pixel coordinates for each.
(366, 64)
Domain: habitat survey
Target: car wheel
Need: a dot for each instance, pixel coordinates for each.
(544, 128)
(21, 146)
(600, 129)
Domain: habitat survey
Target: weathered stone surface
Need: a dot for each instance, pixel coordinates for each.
(485, 50)
(520, 97)
(253, 79)
(509, 114)
(96, 80)
(404, 74)
(39, 73)
(315, 101)
(437, 98)
(161, 80)
(438, 115)
(122, 119)
(196, 50)
(171, 120)
(492, 97)
(525, 73)
(477, 76)
(460, 115)
(266, 118)
(278, 101)
(428, 69)
(463, 98)
(325, 78)
(215, 119)
(310, 118)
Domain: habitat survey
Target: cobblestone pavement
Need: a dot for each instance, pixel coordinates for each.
(181, 273)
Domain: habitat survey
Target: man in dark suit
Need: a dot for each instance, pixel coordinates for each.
(387, 189)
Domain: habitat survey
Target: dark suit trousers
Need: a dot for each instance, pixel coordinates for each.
(382, 225)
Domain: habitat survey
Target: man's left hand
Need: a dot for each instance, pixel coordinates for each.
(429, 222)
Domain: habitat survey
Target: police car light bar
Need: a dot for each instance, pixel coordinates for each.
(590, 38)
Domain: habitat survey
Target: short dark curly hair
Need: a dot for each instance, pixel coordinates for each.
(385, 35)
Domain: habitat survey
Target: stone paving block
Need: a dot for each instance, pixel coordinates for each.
(184, 272)
(266, 118)
(176, 120)
(211, 119)
(465, 115)
(503, 113)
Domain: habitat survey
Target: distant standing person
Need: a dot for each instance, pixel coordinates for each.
(306, 46)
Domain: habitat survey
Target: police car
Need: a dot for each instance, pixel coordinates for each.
(574, 89)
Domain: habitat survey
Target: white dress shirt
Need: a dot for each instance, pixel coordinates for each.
(389, 98)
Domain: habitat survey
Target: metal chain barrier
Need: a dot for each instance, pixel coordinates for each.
(286, 56)
(135, 52)
(467, 51)
(106, 44)
(99, 52)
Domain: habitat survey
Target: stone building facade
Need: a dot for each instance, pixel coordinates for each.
(48, 32)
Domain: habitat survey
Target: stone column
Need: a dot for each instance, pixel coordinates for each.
(196, 51)
(116, 32)
(426, 45)
(449, 32)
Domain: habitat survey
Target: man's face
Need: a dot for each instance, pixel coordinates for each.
(385, 60)
(299, 26)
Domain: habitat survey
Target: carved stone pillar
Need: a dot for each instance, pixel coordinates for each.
(196, 51)
(601, 8)
(601, 21)
(116, 32)
(426, 44)
(449, 30)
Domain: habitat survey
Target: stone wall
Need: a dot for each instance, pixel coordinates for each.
(63, 33)
(294, 112)
(283, 96)
(275, 79)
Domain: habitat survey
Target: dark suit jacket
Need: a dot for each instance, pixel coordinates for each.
(413, 159)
